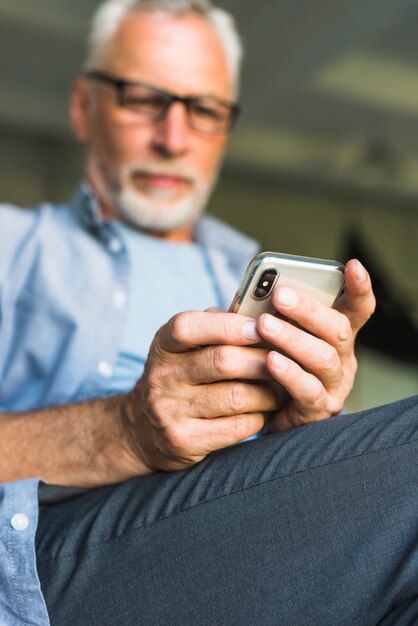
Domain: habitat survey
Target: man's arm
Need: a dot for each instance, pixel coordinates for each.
(80, 445)
(197, 393)
(167, 422)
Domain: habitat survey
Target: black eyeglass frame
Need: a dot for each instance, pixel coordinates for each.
(119, 84)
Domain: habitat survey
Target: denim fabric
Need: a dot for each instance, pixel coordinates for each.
(21, 600)
(314, 527)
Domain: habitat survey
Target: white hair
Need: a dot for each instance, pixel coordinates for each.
(111, 13)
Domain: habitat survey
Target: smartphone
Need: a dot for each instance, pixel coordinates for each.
(321, 278)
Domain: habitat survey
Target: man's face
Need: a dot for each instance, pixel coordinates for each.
(156, 174)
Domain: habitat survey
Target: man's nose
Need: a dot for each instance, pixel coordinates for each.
(172, 132)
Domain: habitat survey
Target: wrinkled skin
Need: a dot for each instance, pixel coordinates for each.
(196, 394)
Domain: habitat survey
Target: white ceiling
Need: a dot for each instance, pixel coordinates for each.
(330, 87)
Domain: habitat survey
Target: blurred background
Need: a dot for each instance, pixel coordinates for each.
(323, 162)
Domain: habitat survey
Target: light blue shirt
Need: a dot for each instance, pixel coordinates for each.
(65, 283)
(21, 601)
(166, 277)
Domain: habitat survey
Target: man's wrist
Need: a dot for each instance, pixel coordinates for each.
(130, 453)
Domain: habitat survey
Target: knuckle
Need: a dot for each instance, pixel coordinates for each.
(180, 326)
(156, 351)
(330, 361)
(345, 332)
(315, 395)
(229, 328)
(237, 397)
(336, 406)
(221, 359)
(239, 427)
(336, 403)
(155, 377)
(176, 439)
(293, 337)
(160, 409)
(159, 377)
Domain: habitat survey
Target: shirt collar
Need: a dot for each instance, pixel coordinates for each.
(208, 231)
(87, 208)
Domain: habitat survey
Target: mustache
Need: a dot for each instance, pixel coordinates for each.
(175, 170)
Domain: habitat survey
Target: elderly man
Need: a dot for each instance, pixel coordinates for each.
(114, 374)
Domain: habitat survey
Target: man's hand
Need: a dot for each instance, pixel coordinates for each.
(319, 369)
(196, 394)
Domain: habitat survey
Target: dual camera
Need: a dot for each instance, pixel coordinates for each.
(265, 284)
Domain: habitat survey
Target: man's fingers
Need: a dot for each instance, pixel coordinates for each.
(216, 363)
(190, 442)
(320, 320)
(224, 431)
(358, 302)
(193, 329)
(222, 399)
(317, 356)
(310, 400)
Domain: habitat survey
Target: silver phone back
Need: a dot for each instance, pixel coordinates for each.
(321, 278)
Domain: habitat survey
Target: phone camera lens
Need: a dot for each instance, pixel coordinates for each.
(265, 284)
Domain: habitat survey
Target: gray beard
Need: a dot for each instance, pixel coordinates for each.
(158, 214)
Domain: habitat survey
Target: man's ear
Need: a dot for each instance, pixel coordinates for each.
(79, 110)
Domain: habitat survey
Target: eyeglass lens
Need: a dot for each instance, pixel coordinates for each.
(205, 114)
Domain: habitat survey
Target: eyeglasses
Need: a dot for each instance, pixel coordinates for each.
(206, 114)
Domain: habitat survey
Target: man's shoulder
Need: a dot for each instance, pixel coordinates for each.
(15, 223)
(13, 217)
(18, 225)
(17, 219)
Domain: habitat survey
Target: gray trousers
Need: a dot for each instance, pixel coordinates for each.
(316, 526)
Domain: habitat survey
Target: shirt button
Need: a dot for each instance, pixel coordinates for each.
(105, 369)
(19, 521)
(119, 298)
(114, 246)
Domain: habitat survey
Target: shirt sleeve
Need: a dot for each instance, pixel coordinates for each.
(21, 599)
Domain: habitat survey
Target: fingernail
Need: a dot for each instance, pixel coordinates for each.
(361, 272)
(279, 362)
(250, 332)
(287, 297)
